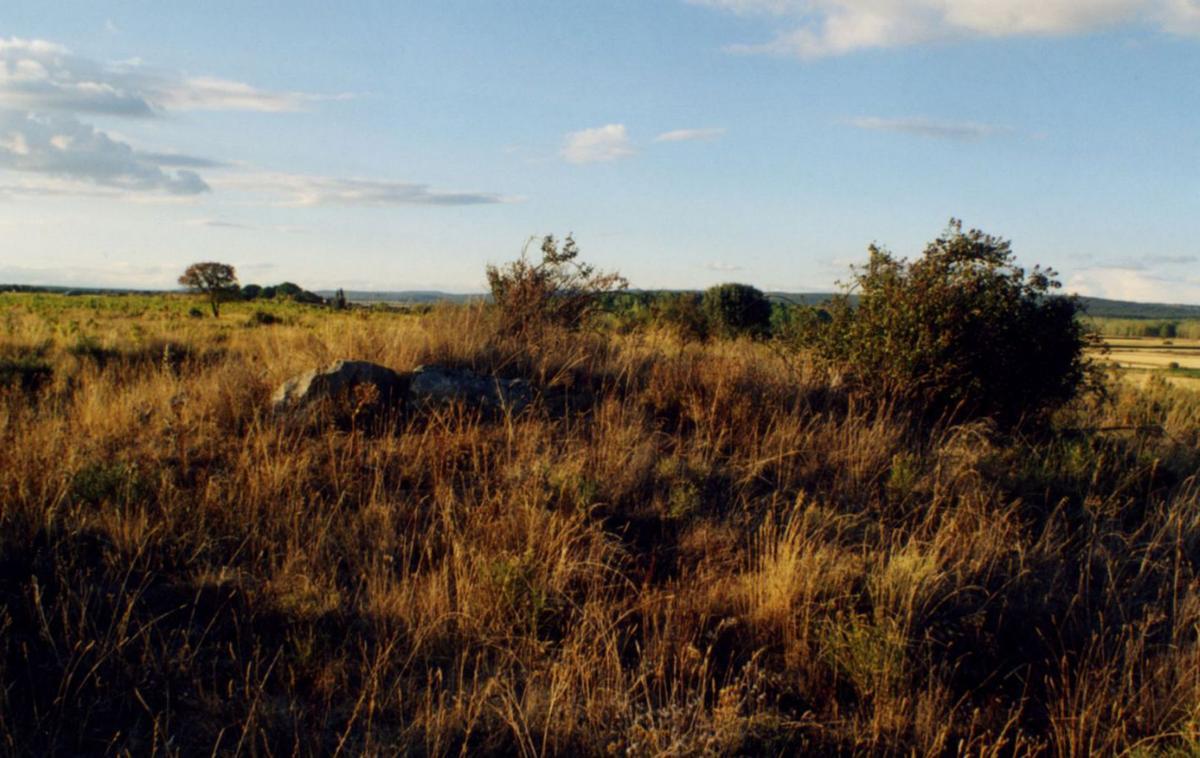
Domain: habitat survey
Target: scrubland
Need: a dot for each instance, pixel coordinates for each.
(697, 548)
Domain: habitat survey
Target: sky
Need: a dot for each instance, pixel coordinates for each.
(406, 145)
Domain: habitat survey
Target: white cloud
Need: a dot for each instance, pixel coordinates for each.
(42, 76)
(212, 94)
(690, 135)
(300, 190)
(63, 147)
(723, 268)
(603, 143)
(45, 90)
(925, 127)
(1130, 283)
(817, 28)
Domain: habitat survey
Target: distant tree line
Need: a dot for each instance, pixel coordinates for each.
(219, 283)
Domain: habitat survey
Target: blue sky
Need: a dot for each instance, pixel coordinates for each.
(383, 145)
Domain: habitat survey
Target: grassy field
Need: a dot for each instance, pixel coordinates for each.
(713, 548)
(1141, 359)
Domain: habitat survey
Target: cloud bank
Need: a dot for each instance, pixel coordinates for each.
(43, 76)
(819, 28)
(47, 91)
(62, 147)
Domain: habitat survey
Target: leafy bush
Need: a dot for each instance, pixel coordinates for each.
(962, 332)
(262, 318)
(682, 313)
(558, 289)
(735, 309)
(251, 291)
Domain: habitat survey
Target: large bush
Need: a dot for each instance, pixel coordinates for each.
(962, 332)
(734, 309)
(558, 289)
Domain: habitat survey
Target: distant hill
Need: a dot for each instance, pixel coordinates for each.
(1101, 308)
(56, 290)
(405, 296)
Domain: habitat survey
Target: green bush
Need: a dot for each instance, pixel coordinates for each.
(682, 313)
(736, 309)
(962, 332)
(262, 318)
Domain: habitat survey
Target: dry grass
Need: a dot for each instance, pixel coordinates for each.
(702, 549)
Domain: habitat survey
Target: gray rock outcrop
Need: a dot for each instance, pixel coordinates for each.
(338, 380)
(438, 385)
(424, 388)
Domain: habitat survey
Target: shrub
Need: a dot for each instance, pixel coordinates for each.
(558, 289)
(682, 313)
(251, 292)
(735, 309)
(262, 318)
(963, 332)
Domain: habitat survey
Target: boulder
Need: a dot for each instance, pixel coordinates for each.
(338, 380)
(437, 385)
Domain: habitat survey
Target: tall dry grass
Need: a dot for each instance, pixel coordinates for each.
(684, 549)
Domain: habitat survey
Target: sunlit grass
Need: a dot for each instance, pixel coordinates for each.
(703, 547)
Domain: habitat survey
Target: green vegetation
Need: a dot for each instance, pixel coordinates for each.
(737, 309)
(216, 281)
(1152, 328)
(960, 333)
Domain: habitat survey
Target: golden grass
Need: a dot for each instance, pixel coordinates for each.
(707, 550)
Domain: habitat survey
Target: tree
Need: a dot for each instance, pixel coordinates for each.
(962, 332)
(217, 280)
(558, 289)
(734, 309)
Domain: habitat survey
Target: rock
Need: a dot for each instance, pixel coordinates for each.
(338, 380)
(437, 385)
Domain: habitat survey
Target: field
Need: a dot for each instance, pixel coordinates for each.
(706, 548)
(1174, 359)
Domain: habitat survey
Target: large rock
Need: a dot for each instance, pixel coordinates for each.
(436, 385)
(338, 381)
(426, 387)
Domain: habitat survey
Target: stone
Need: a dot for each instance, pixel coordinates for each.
(338, 380)
(437, 385)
